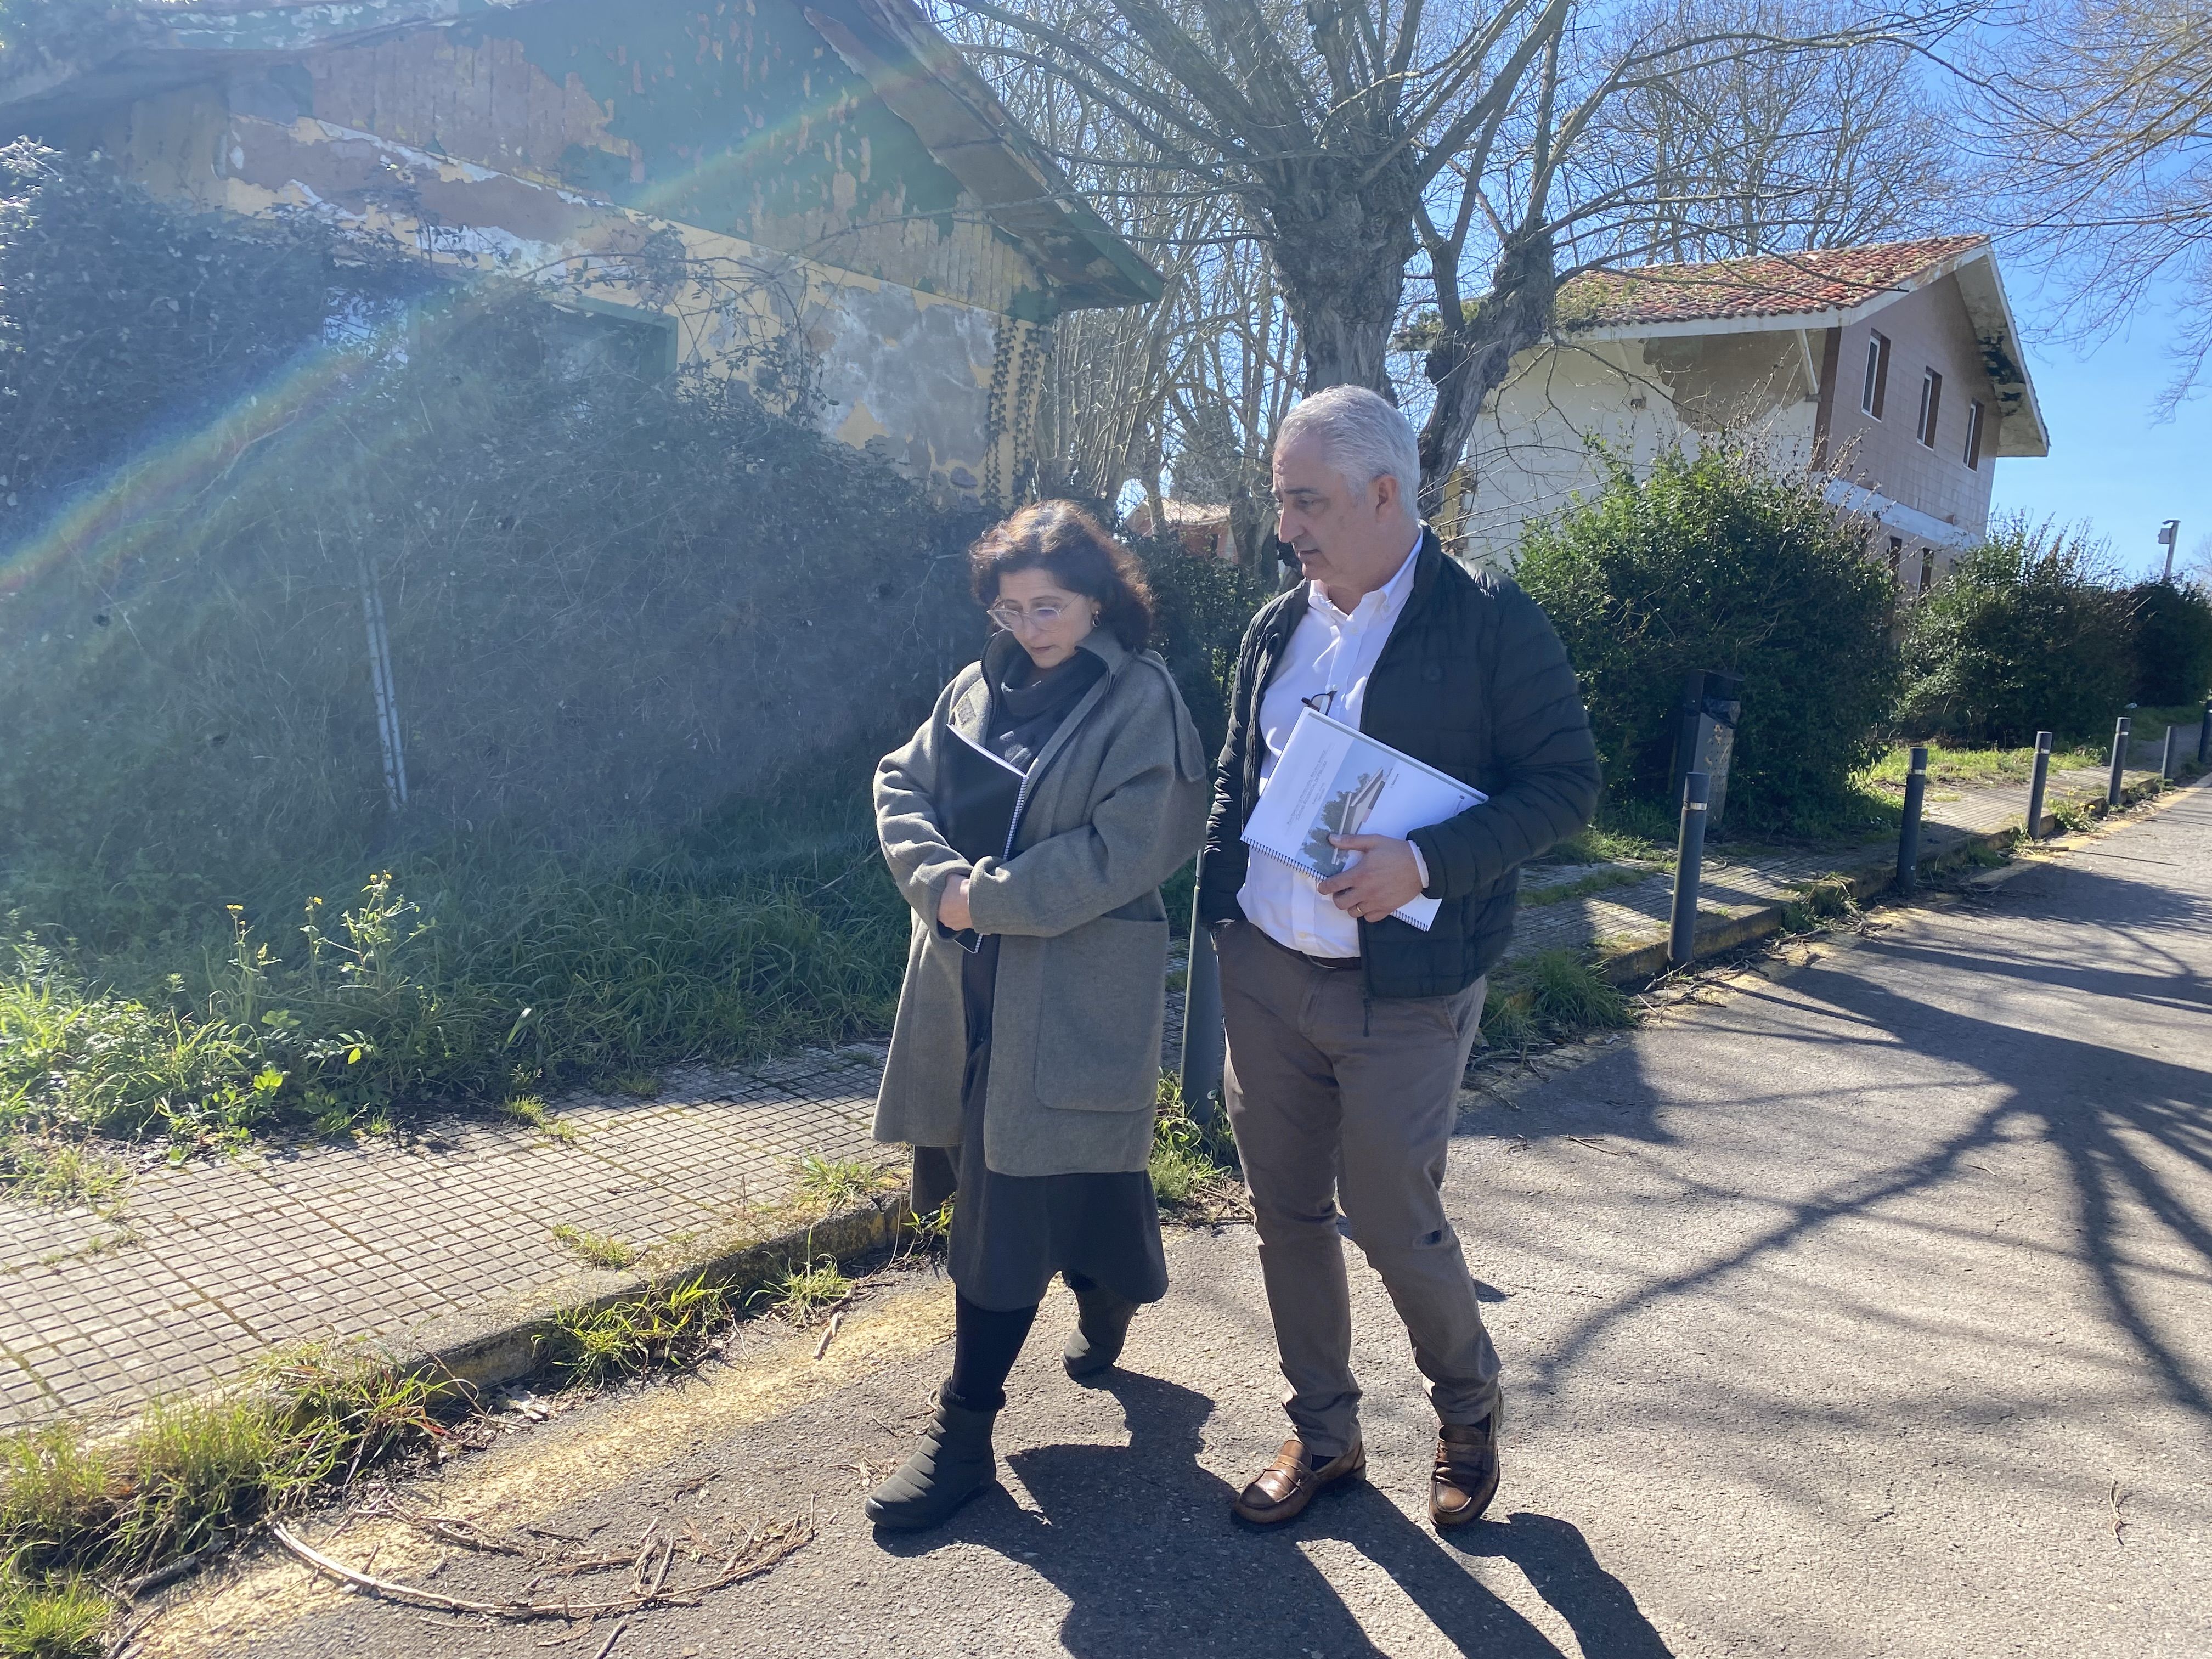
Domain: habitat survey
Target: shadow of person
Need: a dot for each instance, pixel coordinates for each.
(1557, 1561)
(1139, 1539)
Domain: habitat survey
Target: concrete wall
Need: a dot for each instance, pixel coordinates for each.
(721, 169)
(1532, 455)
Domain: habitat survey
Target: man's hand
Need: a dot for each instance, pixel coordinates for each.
(1386, 876)
(952, 907)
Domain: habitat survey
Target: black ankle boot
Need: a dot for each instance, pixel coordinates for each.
(952, 1464)
(1102, 1325)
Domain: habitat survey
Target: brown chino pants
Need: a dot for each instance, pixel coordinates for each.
(1336, 1100)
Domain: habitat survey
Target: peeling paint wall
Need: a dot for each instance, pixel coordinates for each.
(1532, 453)
(570, 137)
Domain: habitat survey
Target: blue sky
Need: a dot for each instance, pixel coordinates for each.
(2111, 463)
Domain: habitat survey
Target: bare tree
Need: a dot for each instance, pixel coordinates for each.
(2097, 142)
(1365, 138)
(1773, 151)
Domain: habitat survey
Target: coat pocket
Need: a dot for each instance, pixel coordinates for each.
(1102, 991)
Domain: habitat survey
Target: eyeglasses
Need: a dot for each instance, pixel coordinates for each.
(1009, 614)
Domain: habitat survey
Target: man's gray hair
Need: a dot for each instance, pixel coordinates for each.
(1365, 434)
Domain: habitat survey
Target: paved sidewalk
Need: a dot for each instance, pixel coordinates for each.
(214, 1264)
(1859, 1311)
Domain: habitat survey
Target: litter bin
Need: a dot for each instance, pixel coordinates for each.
(1711, 700)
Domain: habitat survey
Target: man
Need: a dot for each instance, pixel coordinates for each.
(1349, 1029)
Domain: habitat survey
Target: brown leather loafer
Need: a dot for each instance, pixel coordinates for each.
(1465, 1478)
(1286, 1486)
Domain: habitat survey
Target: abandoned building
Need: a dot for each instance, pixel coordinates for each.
(829, 172)
(1894, 369)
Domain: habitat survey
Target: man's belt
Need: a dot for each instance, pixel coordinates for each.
(1334, 964)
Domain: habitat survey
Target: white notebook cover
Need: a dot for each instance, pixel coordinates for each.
(1334, 779)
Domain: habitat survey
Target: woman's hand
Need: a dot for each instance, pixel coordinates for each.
(952, 907)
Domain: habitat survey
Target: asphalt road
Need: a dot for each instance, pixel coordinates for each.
(1866, 1310)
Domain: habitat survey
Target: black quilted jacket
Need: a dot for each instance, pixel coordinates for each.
(1473, 681)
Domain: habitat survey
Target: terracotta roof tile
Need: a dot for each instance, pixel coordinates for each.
(1771, 285)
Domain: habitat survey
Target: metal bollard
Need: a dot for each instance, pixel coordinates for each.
(2119, 761)
(2168, 756)
(1203, 1042)
(2037, 785)
(1908, 835)
(2204, 737)
(1689, 861)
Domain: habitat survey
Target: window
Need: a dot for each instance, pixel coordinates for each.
(1896, 555)
(1877, 375)
(1927, 568)
(1931, 399)
(1974, 436)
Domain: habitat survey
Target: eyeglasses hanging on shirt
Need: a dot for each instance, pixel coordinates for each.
(1322, 701)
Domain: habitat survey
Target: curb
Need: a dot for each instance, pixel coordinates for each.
(1646, 961)
(504, 1341)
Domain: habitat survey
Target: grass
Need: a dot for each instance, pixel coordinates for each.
(1597, 882)
(1817, 902)
(76, 1514)
(805, 1289)
(829, 1185)
(1550, 996)
(61, 1174)
(146, 1004)
(1188, 1159)
(532, 1110)
(591, 1346)
(1975, 767)
(60, 1620)
(599, 1249)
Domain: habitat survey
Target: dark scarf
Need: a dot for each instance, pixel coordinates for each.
(1027, 706)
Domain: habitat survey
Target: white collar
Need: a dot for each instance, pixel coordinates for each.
(1375, 600)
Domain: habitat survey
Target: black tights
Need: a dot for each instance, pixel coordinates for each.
(985, 1344)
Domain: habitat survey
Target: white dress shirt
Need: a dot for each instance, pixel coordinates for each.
(1333, 651)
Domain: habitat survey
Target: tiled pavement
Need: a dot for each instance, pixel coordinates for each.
(376, 1239)
(221, 1262)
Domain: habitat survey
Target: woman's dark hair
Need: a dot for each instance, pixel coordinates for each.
(1060, 537)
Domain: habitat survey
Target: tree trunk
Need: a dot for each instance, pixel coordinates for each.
(1469, 362)
(1341, 251)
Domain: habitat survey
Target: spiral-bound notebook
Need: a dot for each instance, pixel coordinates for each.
(1334, 779)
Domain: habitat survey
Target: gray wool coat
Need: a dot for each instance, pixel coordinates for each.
(1115, 804)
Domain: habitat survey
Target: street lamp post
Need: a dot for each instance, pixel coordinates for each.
(2168, 534)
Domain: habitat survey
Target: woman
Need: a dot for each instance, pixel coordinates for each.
(1029, 824)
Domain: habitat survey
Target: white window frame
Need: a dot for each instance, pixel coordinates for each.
(1972, 454)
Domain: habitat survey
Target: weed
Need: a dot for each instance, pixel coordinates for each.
(2074, 816)
(1189, 1160)
(599, 1249)
(834, 1184)
(1510, 1019)
(594, 1345)
(1598, 881)
(59, 1619)
(1551, 994)
(1817, 902)
(530, 1109)
(927, 1234)
(1975, 766)
(57, 1494)
(805, 1289)
(1571, 995)
(61, 1174)
(637, 1083)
